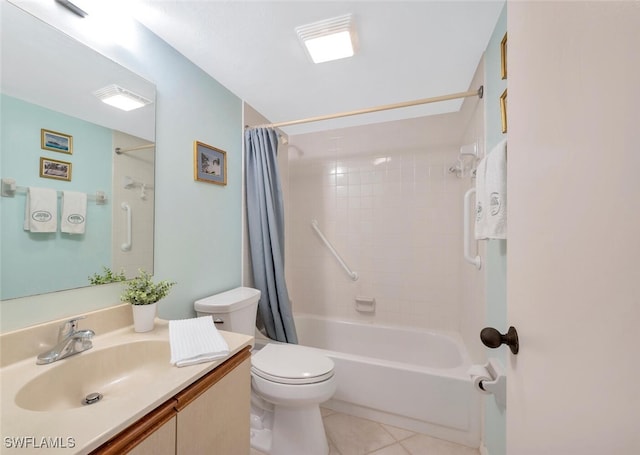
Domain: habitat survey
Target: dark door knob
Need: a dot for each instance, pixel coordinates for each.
(491, 338)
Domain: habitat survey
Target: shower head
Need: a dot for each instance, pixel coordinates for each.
(458, 168)
(463, 165)
(463, 168)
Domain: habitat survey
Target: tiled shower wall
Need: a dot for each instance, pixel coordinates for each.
(391, 209)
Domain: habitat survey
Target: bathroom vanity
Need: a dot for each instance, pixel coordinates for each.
(147, 405)
(209, 416)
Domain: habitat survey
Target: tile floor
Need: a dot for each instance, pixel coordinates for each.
(350, 435)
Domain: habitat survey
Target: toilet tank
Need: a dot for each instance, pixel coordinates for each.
(234, 310)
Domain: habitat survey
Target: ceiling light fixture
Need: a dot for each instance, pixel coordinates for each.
(116, 96)
(73, 8)
(329, 39)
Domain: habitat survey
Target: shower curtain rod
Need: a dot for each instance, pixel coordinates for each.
(479, 93)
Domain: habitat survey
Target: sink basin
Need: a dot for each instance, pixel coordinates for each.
(113, 372)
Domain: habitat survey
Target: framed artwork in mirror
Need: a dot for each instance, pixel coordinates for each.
(209, 164)
(56, 142)
(54, 169)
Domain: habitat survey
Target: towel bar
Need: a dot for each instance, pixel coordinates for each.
(9, 189)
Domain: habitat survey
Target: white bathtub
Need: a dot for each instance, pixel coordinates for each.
(412, 379)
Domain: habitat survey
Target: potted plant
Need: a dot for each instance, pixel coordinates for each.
(143, 295)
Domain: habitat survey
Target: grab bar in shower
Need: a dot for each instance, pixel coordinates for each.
(475, 260)
(353, 275)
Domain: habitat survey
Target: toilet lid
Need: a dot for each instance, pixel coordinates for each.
(291, 364)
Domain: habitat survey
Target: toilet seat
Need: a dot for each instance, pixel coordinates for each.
(291, 364)
(292, 381)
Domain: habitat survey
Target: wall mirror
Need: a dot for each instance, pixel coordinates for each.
(57, 134)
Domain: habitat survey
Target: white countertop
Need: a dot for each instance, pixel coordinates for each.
(82, 429)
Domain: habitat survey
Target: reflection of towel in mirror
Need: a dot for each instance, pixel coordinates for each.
(195, 340)
(74, 212)
(41, 210)
(491, 194)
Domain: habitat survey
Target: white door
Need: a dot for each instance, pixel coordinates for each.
(573, 276)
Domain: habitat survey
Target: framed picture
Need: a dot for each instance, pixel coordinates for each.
(56, 142)
(503, 110)
(503, 57)
(209, 164)
(54, 169)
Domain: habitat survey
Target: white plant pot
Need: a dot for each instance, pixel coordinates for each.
(144, 317)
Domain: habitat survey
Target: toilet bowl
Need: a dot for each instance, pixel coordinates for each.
(288, 382)
(292, 380)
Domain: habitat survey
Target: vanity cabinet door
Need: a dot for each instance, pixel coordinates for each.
(154, 434)
(160, 442)
(213, 414)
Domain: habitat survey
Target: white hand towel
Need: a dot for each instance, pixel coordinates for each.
(195, 340)
(74, 212)
(496, 192)
(481, 201)
(41, 210)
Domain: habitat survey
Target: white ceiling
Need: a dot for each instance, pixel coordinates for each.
(408, 50)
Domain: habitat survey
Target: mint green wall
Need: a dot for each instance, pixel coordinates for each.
(51, 257)
(198, 227)
(496, 255)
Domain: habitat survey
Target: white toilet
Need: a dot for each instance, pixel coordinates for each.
(288, 382)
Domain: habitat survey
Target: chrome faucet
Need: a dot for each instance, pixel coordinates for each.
(70, 341)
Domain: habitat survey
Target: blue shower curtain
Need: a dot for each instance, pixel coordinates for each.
(265, 219)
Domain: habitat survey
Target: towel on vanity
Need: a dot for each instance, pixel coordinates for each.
(74, 212)
(195, 340)
(41, 210)
(491, 194)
